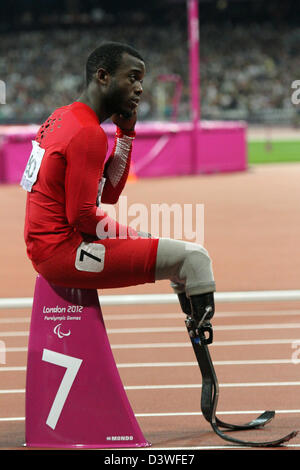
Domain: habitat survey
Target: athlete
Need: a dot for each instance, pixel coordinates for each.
(70, 240)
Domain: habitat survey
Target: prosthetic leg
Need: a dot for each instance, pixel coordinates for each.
(199, 310)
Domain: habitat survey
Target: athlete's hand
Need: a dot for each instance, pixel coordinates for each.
(125, 122)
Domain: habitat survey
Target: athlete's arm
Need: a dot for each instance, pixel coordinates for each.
(85, 157)
(117, 166)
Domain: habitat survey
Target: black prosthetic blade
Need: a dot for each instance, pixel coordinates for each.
(210, 394)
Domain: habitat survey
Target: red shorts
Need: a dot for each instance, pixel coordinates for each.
(101, 264)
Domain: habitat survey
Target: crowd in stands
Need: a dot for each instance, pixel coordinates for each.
(244, 71)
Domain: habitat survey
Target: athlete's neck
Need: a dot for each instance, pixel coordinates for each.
(88, 98)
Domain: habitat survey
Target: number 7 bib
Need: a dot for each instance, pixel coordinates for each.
(90, 257)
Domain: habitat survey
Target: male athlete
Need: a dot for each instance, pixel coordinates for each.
(70, 240)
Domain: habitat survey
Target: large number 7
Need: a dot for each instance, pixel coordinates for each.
(72, 365)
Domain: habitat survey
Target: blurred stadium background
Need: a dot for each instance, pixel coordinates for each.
(249, 53)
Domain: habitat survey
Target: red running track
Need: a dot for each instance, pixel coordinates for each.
(252, 232)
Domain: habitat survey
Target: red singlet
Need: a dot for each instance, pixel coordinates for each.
(62, 178)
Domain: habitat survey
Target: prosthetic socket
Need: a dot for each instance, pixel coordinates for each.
(199, 310)
(189, 268)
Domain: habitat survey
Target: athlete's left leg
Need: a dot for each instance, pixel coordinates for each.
(114, 263)
(101, 264)
(189, 268)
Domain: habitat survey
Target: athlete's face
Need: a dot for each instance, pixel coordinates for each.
(125, 86)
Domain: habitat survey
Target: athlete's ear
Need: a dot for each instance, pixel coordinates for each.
(102, 76)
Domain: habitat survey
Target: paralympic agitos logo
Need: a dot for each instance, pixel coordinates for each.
(59, 333)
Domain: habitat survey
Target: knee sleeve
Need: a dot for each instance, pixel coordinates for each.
(187, 265)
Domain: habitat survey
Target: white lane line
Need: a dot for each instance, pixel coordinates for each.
(186, 344)
(15, 320)
(182, 413)
(216, 363)
(16, 418)
(179, 364)
(225, 385)
(173, 329)
(12, 334)
(179, 315)
(17, 349)
(265, 326)
(157, 316)
(199, 413)
(182, 386)
(151, 299)
(214, 344)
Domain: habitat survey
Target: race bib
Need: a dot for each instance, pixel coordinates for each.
(32, 168)
(90, 257)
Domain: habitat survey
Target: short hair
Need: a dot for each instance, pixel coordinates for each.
(109, 56)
